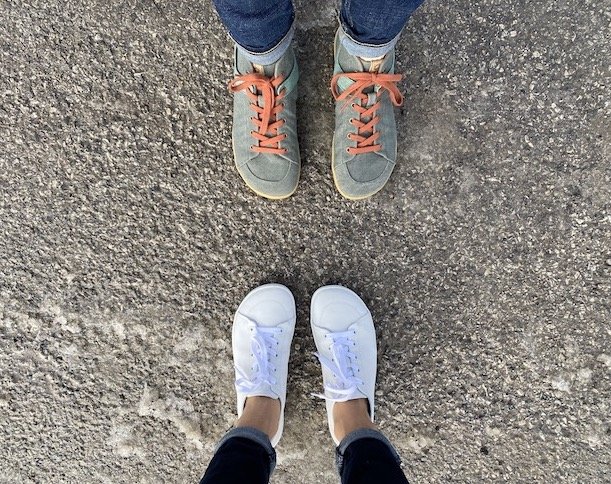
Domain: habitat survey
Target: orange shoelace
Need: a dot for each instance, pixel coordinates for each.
(266, 119)
(366, 135)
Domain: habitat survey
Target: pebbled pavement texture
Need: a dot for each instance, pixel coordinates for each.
(127, 240)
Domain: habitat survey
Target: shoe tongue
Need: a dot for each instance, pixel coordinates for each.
(357, 64)
(351, 63)
(382, 66)
(282, 66)
(244, 66)
(267, 71)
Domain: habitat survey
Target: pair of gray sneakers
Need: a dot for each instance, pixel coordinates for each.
(265, 144)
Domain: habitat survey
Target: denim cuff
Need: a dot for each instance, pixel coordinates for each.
(357, 435)
(272, 55)
(256, 436)
(368, 51)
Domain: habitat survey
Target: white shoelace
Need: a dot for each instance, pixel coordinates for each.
(344, 367)
(263, 347)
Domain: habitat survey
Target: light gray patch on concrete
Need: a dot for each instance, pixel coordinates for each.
(127, 240)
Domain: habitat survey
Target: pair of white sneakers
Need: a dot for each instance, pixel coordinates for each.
(344, 334)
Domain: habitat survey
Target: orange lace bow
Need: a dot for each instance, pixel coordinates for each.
(266, 119)
(366, 135)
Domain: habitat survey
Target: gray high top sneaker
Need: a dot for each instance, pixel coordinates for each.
(264, 132)
(365, 139)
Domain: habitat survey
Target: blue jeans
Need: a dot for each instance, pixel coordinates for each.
(263, 29)
(246, 456)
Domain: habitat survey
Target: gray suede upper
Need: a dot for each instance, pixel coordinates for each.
(270, 175)
(361, 175)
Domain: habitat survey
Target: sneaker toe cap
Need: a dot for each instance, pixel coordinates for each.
(269, 305)
(367, 168)
(336, 308)
(363, 176)
(270, 177)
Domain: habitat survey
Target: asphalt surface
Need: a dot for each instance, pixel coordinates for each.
(127, 241)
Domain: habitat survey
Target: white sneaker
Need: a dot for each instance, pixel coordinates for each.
(346, 342)
(263, 328)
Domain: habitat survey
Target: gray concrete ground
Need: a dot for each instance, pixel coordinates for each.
(127, 241)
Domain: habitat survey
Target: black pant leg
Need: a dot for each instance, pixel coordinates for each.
(371, 461)
(238, 461)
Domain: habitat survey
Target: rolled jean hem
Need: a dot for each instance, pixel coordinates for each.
(357, 435)
(256, 436)
(272, 55)
(368, 51)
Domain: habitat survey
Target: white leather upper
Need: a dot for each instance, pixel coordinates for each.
(263, 329)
